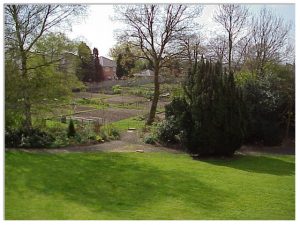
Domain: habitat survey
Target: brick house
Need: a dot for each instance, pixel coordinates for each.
(109, 67)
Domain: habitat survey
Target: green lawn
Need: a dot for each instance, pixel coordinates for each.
(147, 186)
(132, 122)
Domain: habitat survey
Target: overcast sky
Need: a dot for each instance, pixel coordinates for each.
(97, 30)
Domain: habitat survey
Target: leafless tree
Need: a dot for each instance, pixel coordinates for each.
(270, 34)
(234, 19)
(218, 48)
(242, 51)
(192, 47)
(156, 29)
(24, 26)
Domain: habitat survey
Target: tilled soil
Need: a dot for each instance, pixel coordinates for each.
(112, 114)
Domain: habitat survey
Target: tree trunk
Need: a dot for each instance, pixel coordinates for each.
(155, 97)
(27, 104)
(288, 121)
(230, 52)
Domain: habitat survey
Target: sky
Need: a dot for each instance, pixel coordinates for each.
(97, 29)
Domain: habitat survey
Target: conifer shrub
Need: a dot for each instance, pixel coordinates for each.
(71, 129)
(209, 119)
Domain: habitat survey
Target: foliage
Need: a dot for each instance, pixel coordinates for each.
(150, 139)
(126, 56)
(178, 120)
(26, 26)
(93, 102)
(49, 81)
(168, 130)
(116, 89)
(270, 105)
(209, 119)
(119, 70)
(71, 129)
(33, 138)
(88, 67)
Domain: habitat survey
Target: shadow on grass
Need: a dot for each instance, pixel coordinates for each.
(112, 182)
(256, 164)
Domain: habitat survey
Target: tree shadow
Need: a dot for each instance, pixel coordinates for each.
(255, 164)
(114, 182)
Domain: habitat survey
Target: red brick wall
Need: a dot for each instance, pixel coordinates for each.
(108, 73)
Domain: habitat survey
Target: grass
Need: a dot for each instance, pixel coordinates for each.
(56, 124)
(132, 122)
(117, 186)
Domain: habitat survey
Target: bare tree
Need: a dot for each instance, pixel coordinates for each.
(218, 48)
(192, 47)
(233, 18)
(270, 34)
(24, 26)
(156, 30)
(242, 51)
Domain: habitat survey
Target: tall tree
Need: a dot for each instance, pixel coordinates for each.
(119, 69)
(130, 57)
(98, 70)
(24, 26)
(233, 18)
(85, 65)
(51, 76)
(155, 30)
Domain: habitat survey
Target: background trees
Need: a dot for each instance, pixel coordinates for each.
(269, 35)
(85, 64)
(127, 57)
(233, 18)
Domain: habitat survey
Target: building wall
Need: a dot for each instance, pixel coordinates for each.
(108, 73)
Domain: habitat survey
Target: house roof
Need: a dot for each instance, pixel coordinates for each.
(107, 62)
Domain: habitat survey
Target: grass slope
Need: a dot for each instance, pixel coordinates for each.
(147, 186)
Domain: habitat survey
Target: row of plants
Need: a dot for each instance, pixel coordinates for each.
(59, 135)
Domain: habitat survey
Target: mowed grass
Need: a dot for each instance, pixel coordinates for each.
(102, 186)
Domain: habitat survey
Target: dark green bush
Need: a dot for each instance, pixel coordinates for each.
(33, 138)
(71, 129)
(209, 120)
(264, 113)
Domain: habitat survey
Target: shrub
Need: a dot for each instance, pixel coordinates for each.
(116, 89)
(71, 129)
(63, 119)
(167, 130)
(265, 124)
(61, 140)
(209, 119)
(33, 138)
(114, 133)
(150, 139)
